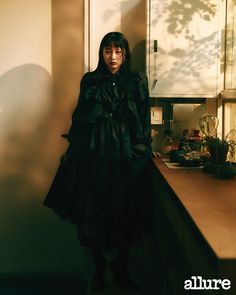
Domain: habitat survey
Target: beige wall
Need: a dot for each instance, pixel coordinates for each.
(41, 66)
(25, 34)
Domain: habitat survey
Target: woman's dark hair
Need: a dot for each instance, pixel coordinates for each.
(116, 39)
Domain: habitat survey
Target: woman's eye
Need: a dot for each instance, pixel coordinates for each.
(109, 51)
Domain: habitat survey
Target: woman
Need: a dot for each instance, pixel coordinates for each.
(101, 184)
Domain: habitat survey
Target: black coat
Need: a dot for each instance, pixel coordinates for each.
(102, 181)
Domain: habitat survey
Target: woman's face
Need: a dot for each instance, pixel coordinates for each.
(113, 58)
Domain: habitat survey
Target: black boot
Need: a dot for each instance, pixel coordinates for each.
(100, 264)
(120, 270)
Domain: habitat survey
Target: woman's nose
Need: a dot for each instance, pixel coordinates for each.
(113, 55)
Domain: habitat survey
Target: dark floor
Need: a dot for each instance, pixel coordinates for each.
(43, 286)
(143, 272)
(59, 287)
(146, 287)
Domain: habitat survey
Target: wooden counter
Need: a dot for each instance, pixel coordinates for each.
(202, 211)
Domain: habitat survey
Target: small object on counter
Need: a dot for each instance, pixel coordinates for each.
(185, 134)
(195, 133)
(184, 140)
(190, 163)
(191, 159)
(167, 145)
(176, 155)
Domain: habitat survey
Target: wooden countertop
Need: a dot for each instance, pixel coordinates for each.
(210, 202)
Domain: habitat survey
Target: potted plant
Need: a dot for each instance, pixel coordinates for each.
(218, 149)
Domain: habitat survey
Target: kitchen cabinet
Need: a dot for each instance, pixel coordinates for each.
(185, 47)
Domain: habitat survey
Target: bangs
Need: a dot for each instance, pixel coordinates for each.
(115, 43)
(115, 39)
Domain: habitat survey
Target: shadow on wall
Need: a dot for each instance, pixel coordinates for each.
(181, 13)
(26, 103)
(67, 51)
(27, 164)
(133, 25)
(178, 16)
(32, 236)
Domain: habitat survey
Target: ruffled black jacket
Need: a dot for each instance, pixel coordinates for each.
(114, 123)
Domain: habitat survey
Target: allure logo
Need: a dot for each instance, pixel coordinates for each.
(198, 283)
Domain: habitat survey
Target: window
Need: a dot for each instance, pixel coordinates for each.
(229, 108)
(228, 97)
(230, 49)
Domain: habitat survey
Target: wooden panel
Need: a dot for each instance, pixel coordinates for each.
(211, 204)
(197, 223)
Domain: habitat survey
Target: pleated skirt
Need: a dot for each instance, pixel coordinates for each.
(109, 200)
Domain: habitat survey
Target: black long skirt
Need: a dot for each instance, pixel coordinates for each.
(108, 199)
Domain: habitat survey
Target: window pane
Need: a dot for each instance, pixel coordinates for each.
(229, 117)
(229, 125)
(230, 74)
